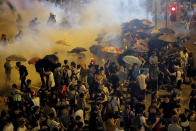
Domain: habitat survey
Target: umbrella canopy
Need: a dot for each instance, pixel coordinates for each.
(167, 31)
(16, 58)
(34, 60)
(52, 58)
(78, 50)
(146, 22)
(131, 60)
(156, 43)
(62, 42)
(155, 32)
(46, 64)
(110, 49)
(135, 25)
(168, 38)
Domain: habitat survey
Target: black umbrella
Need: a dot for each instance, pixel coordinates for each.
(78, 50)
(44, 64)
(156, 43)
(134, 26)
(52, 58)
(16, 58)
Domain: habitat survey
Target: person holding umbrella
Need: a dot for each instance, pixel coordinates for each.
(8, 68)
(23, 74)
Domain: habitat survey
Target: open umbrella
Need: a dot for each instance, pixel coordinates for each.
(62, 42)
(78, 50)
(168, 38)
(52, 58)
(131, 60)
(16, 58)
(155, 31)
(34, 60)
(44, 63)
(110, 49)
(167, 31)
(156, 44)
(146, 22)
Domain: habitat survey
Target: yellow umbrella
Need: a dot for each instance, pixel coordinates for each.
(155, 31)
(168, 38)
(62, 42)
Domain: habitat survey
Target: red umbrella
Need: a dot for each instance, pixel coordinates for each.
(34, 60)
(146, 22)
(110, 49)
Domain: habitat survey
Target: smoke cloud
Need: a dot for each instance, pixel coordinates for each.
(94, 17)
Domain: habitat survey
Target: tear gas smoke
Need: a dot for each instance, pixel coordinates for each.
(96, 16)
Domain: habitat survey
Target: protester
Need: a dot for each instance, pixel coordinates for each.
(52, 19)
(8, 68)
(4, 39)
(23, 74)
(174, 126)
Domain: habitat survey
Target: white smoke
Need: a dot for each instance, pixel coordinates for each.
(96, 16)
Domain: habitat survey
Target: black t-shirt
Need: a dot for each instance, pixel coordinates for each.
(167, 109)
(151, 118)
(114, 79)
(183, 117)
(193, 93)
(23, 70)
(139, 107)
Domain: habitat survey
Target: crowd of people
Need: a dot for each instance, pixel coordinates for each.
(76, 96)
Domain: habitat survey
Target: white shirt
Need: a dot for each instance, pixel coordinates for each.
(79, 113)
(8, 127)
(119, 129)
(178, 75)
(22, 128)
(52, 124)
(142, 121)
(173, 127)
(51, 81)
(141, 79)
